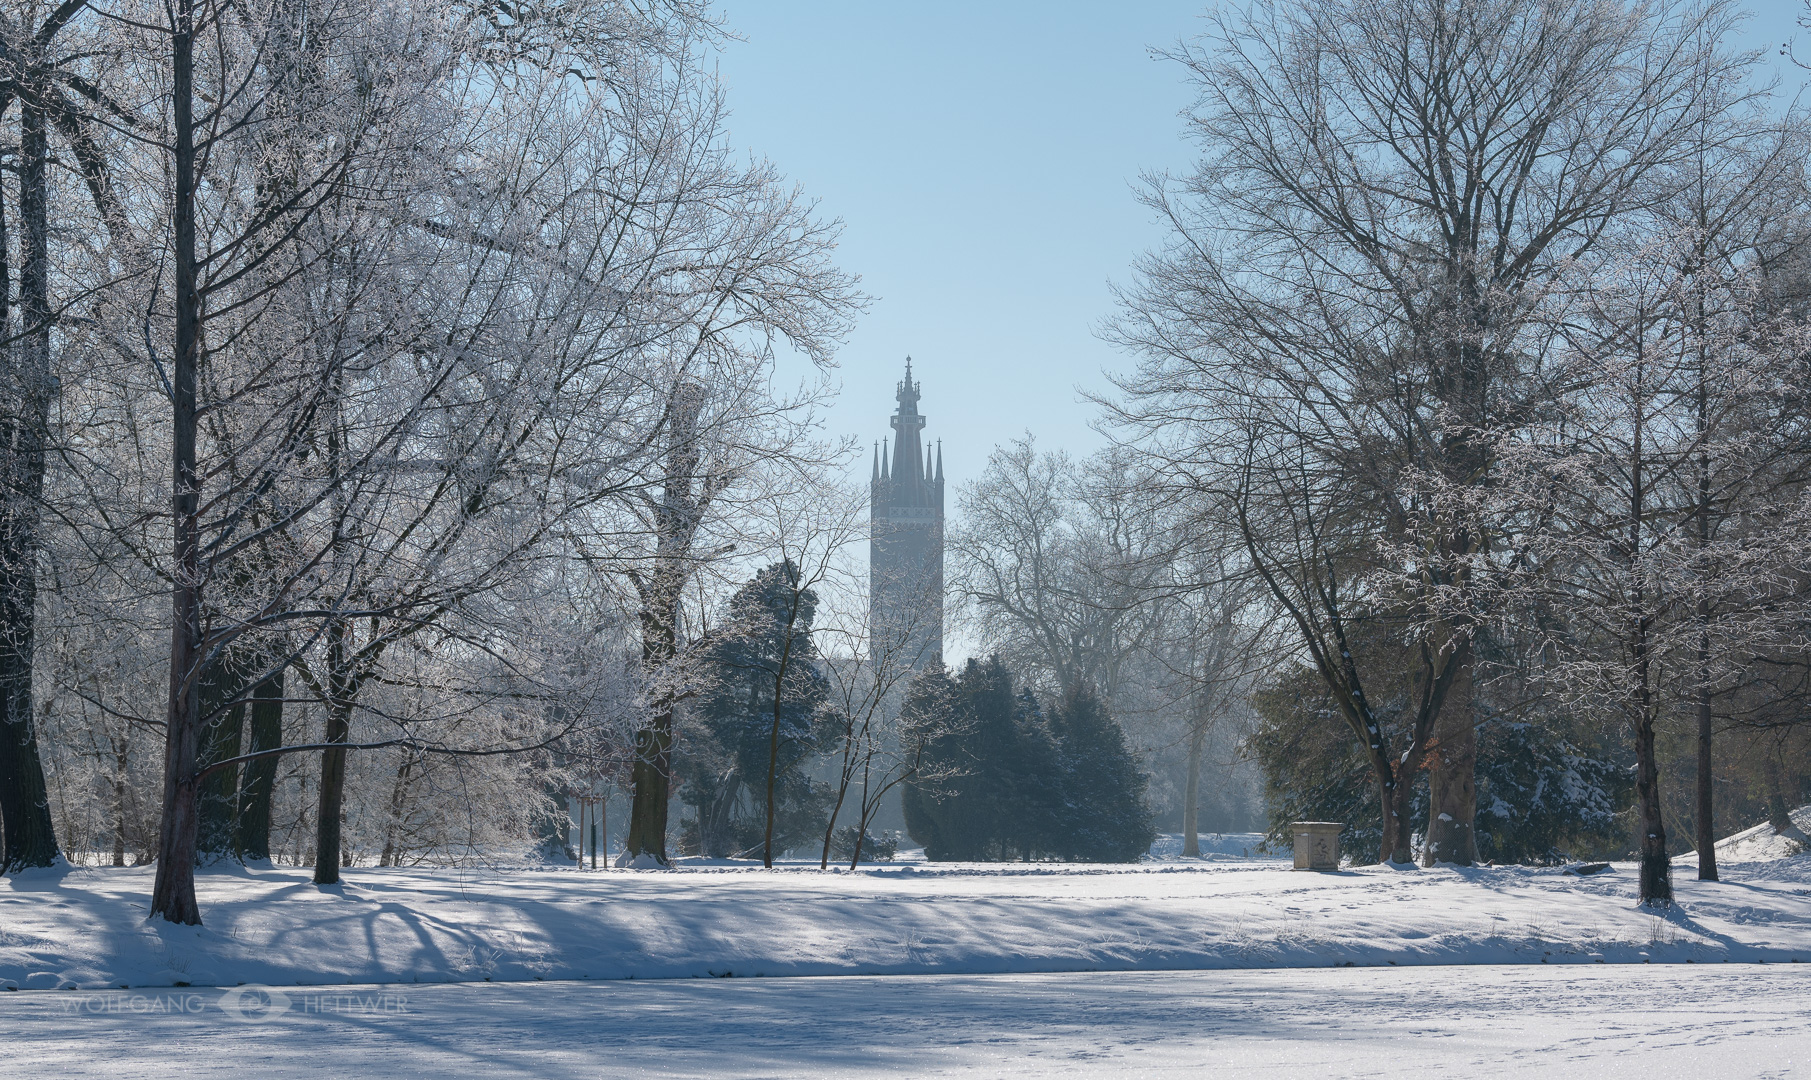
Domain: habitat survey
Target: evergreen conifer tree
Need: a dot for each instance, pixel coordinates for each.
(1018, 785)
(966, 815)
(1036, 821)
(725, 767)
(1103, 814)
(927, 716)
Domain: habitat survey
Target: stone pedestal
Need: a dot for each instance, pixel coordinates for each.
(1316, 844)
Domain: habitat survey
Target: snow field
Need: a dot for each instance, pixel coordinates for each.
(86, 928)
(1603, 1023)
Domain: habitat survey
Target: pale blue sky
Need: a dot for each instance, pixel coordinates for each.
(982, 157)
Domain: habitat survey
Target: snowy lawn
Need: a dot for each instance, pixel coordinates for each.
(86, 928)
(1604, 1023)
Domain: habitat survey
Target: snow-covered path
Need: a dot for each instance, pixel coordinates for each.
(1646, 1022)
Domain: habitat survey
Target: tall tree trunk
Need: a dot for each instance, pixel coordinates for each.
(173, 893)
(1779, 807)
(222, 738)
(1461, 384)
(1706, 823)
(651, 774)
(1656, 865)
(1191, 799)
(338, 631)
(1452, 776)
(328, 852)
(773, 737)
(119, 800)
(676, 522)
(259, 778)
(1706, 808)
(27, 834)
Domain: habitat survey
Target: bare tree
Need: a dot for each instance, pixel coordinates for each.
(1670, 414)
(1056, 560)
(1350, 310)
(868, 666)
(414, 350)
(1212, 646)
(48, 58)
(1739, 191)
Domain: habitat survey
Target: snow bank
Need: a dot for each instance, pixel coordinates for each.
(1763, 843)
(87, 927)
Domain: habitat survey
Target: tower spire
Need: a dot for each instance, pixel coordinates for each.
(905, 560)
(908, 457)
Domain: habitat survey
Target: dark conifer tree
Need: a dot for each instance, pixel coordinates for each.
(966, 815)
(1016, 785)
(726, 779)
(1104, 816)
(1035, 822)
(928, 717)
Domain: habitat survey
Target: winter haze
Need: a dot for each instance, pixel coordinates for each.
(733, 539)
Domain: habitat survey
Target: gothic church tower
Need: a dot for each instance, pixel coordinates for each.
(905, 559)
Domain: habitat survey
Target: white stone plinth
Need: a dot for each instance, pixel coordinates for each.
(1316, 844)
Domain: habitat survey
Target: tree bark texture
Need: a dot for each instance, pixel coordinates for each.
(1191, 799)
(27, 834)
(1398, 830)
(259, 778)
(1706, 808)
(173, 892)
(1705, 816)
(676, 521)
(1656, 865)
(651, 775)
(329, 853)
(327, 838)
(1452, 777)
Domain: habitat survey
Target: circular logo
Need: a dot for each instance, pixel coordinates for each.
(254, 1004)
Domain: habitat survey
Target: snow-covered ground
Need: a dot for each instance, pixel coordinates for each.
(563, 973)
(1456, 1023)
(1214, 846)
(86, 928)
(1761, 843)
